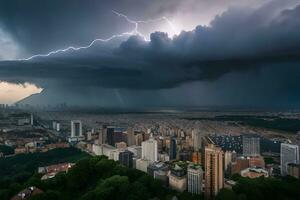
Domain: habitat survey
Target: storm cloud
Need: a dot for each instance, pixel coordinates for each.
(239, 40)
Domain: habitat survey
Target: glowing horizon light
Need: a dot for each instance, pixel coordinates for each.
(13, 92)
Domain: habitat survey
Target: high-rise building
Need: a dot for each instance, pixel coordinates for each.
(149, 150)
(76, 128)
(185, 155)
(126, 158)
(119, 136)
(138, 139)
(233, 156)
(130, 137)
(195, 175)
(288, 154)
(110, 135)
(173, 147)
(214, 175)
(251, 145)
(196, 157)
(227, 159)
(102, 135)
(197, 140)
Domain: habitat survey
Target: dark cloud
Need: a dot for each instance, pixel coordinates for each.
(238, 40)
(41, 26)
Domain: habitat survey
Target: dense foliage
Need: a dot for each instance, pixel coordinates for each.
(101, 178)
(6, 150)
(15, 171)
(93, 178)
(262, 189)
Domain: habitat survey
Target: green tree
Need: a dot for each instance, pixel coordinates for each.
(226, 194)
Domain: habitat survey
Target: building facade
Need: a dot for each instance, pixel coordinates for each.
(289, 153)
(251, 145)
(173, 148)
(194, 175)
(126, 158)
(214, 175)
(149, 150)
(76, 128)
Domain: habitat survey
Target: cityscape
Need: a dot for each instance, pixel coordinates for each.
(149, 100)
(200, 157)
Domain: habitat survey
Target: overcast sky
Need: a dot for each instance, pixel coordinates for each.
(183, 52)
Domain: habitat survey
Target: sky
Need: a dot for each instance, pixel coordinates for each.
(140, 53)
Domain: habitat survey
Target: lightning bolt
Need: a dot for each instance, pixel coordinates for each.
(135, 31)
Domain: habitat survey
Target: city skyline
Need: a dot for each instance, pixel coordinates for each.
(149, 99)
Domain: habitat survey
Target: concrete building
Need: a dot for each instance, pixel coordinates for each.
(196, 157)
(121, 145)
(102, 137)
(197, 140)
(293, 170)
(251, 145)
(76, 131)
(214, 175)
(142, 165)
(240, 164)
(76, 128)
(173, 148)
(227, 160)
(106, 150)
(194, 179)
(157, 166)
(136, 150)
(138, 139)
(178, 179)
(185, 155)
(126, 158)
(257, 162)
(110, 135)
(149, 150)
(130, 137)
(163, 157)
(288, 154)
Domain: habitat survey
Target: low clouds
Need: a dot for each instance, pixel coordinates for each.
(9, 49)
(239, 40)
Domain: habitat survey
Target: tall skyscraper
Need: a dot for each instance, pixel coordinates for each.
(197, 140)
(102, 135)
(214, 175)
(288, 154)
(149, 150)
(196, 157)
(110, 135)
(195, 175)
(173, 148)
(130, 137)
(76, 128)
(233, 156)
(126, 158)
(227, 159)
(251, 145)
